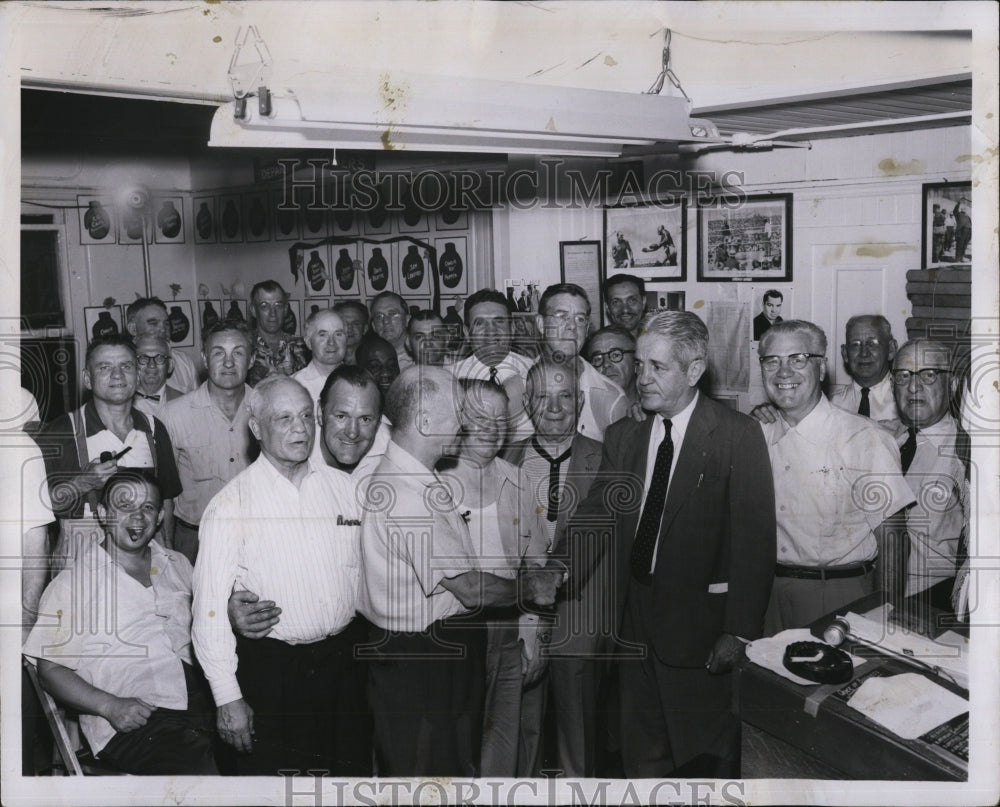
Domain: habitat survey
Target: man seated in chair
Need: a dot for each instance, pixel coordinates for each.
(113, 641)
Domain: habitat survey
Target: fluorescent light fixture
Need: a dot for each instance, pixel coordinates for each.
(439, 113)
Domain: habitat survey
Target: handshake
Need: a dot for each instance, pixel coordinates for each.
(538, 585)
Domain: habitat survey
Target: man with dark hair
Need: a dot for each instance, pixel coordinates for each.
(563, 319)
(147, 316)
(666, 243)
(692, 556)
(85, 447)
(390, 316)
(274, 350)
(625, 301)
(208, 428)
(355, 317)
(424, 587)
(621, 252)
(489, 332)
(286, 529)
(611, 351)
(769, 314)
(427, 338)
(379, 359)
(144, 712)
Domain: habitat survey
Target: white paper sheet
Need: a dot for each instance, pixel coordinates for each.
(908, 705)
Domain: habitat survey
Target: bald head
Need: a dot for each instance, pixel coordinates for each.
(423, 405)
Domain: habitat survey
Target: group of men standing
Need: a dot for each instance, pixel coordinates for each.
(340, 608)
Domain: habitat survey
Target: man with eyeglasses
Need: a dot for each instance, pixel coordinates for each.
(867, 353)
(152, 355)
(625, 301)
(275, 352)
(611, 351)
(838, 490)
(934, 458)
(390, 317)
(147, 316)
(208, 428)
(84, 448)
(563, 319)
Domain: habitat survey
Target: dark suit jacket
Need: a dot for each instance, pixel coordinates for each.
(760, 325)
(716, 553)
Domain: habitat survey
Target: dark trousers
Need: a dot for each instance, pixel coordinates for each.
(172, 741)
(676, 721)
(310, 710)
(427, 694)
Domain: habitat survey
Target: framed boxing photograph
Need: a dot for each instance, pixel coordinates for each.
(749, 239)
(946, 216)
(647, 240)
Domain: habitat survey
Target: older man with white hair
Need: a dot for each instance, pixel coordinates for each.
(326, 336)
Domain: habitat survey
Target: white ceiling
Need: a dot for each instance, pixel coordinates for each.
(723, 53)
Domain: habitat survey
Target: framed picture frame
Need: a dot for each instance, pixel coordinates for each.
(661, 297)
(378, 261)
(210, 311)
(255, 215)
(206, 219)
(946, 224)
(345, 269)
(230, 219)
(751, 241)
(102, 320)
(236, 308)
(580, 263)
(647, 240)
(180, 323)
(453, 264)
(98, 218)
(168, 220)
(315, 267)
(413, 270)
(287, 224)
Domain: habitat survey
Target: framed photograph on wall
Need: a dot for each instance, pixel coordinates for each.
(206, 219)
(453, 264)
(180, 323)
(209, 312)
(660, 297)
(97, 220)
(946, 217)
(413, 270)
(287, 226)
(748, 241)
(102, 320)
(345, 269)
(377, 262)
(168, 220)
(255, 214)
(315, 264)
(648, 241)
(230, 219)
(580, 263)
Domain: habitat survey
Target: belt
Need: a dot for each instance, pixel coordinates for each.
(824, 572)
(188, 524)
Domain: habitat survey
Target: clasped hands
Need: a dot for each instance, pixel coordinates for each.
(539, 585)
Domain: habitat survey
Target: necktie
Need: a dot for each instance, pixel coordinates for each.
(909, 448)
(865, 408)
(652, 511)
(554, 463)
(148, 397)
(495, 376)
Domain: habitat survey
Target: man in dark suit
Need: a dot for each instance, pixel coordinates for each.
(560, 464)
(693, 556)
(770, 313)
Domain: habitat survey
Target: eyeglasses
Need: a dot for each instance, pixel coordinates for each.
(144, 361)
(927, 375)
(566, 317)
(615, 355)
(797, 361)
(855, 345)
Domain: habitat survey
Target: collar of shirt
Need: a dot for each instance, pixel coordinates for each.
(268, 468)
(406, 462)
(97, 555)
(592, 378)
(202, 399)
(94, 425)
(678, 426)
(881, 392)
(161, 392)
(813, 427)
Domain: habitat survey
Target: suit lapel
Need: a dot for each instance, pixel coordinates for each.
(584, 462)
(691, 461)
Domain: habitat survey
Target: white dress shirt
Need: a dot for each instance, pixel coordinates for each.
(295, 546)
(881, 402)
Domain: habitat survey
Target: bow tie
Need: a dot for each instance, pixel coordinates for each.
(155, 398)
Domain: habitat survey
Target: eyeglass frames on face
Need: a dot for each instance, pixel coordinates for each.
(615, 355)
(797, 361)
(927, 375)
(144, 361)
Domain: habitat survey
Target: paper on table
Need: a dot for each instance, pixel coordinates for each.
(770, 653)
(909, 704)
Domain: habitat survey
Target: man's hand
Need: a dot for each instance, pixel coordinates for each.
(534, 638)
(96, 473)
(234, 721)
(540, 586)
(725, 655)
(127, 714)
(637, 413)
(250, 616)
(765, 413)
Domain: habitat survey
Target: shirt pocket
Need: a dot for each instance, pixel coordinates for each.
(204, 461)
